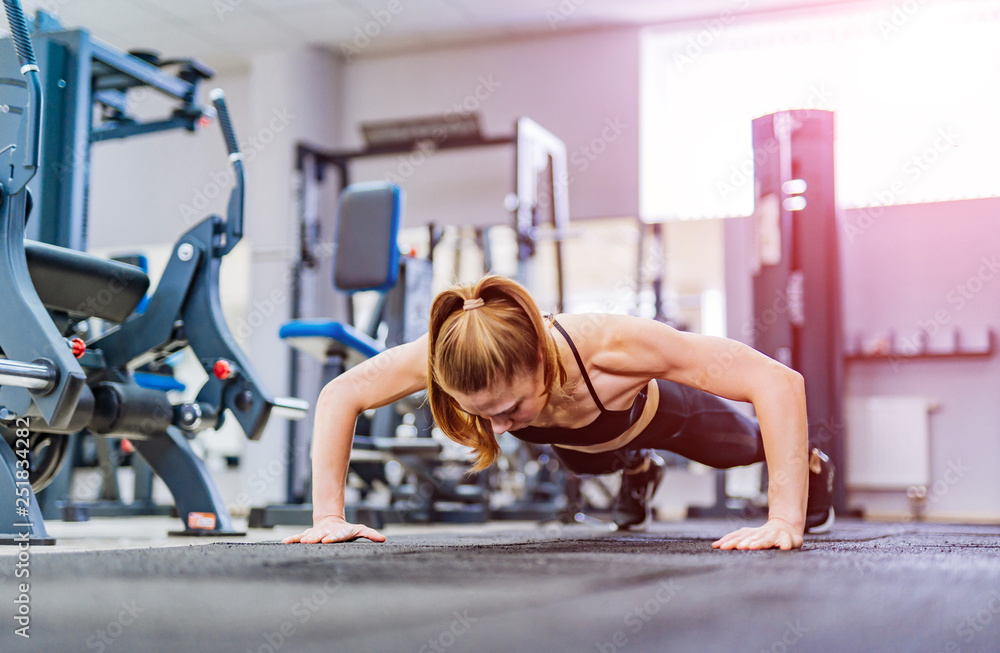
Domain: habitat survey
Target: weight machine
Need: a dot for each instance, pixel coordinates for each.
(541, 167)
(795, 265)
(56, 378)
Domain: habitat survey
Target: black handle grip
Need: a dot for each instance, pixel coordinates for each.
(234, 214)
(219, 100)
(19, 31)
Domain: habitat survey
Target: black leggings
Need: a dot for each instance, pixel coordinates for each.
(695, 424)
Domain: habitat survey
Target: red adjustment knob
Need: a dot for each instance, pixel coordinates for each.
(204, 121)
(79, 346)
(127, 446)
(222, 369)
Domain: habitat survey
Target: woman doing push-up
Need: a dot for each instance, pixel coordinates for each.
(603, 390)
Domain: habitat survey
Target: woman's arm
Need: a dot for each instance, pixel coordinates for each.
(379, 381)
(735, 371)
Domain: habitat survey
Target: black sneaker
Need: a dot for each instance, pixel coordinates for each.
(819, 508)
(631, 508)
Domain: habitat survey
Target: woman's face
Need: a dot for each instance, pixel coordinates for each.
(508, 406)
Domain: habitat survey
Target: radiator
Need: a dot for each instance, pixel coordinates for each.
(888, 442)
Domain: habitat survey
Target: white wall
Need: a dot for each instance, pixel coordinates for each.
(909, 269)
(931, 268)
(151, 189)
(584, 87)
(292, 95)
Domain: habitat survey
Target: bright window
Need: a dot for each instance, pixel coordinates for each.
(915, 87)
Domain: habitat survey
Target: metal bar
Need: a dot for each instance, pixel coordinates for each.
(234, 213)
(141, 71)
(112, 131)
(306, 206)
(335, 157)
(290, 408)
(25, 375)
(113, 99)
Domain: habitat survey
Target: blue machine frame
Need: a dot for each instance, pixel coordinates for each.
(48, 390)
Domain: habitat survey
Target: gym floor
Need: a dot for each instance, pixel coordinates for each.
(122, 585)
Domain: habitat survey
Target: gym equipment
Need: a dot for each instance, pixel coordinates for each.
(798, 256)
(55, 384)
(368, 259)
(90, 78)
(108, 455)
(541, 174)
(541, 171)
(85, 79)
(796, 315)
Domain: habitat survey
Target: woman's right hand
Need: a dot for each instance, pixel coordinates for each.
(334, 529)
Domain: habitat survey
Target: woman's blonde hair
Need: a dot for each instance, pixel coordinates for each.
(472, 349)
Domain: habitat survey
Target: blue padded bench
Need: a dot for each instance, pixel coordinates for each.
(315, 337)
(368, 217)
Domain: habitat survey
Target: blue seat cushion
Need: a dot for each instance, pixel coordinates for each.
(368, 219)
(314, 337)
(158, 382)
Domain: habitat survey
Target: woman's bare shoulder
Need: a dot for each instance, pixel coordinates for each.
(585, 321)
(615, 342)
(599, 333)
(597, 326)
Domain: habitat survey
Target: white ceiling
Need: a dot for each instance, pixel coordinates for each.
(226, 33)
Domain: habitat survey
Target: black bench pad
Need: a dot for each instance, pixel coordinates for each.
(82, 285)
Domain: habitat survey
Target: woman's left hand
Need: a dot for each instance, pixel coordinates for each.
(776, 533)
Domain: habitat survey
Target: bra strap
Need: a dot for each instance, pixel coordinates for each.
(579, 361)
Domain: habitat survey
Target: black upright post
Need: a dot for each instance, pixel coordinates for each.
(797, 314)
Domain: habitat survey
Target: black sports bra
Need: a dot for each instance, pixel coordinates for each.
(606, 426)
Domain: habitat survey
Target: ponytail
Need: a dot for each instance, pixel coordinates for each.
(480, 335)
